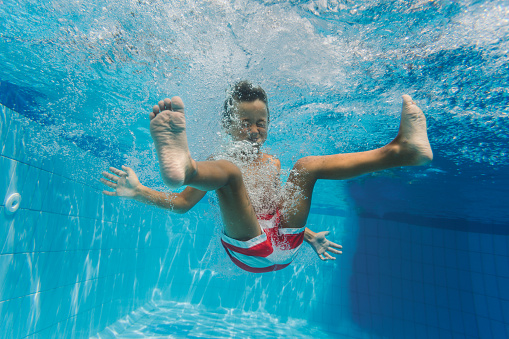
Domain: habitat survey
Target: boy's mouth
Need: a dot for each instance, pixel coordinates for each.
(255, 139)
(245, 147)
(255, 143)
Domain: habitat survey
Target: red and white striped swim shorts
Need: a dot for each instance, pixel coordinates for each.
(272, 250)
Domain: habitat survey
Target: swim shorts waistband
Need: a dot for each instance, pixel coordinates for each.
(272, 250)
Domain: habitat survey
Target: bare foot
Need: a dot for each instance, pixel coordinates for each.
(168, 130)
(412, 139)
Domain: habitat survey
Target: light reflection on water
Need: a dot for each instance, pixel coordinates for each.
(183, 320)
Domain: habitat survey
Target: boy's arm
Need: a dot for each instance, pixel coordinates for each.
(175, 202)
(126, 184)
(321, 245)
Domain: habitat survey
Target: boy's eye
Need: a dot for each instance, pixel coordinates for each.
(261, 124)
(245, 124)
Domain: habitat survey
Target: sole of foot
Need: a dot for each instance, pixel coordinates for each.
(413, 136)
(168, 130)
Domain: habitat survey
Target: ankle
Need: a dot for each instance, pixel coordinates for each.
(392, 149)
(394, 153)
(402, 152)
(191, 172)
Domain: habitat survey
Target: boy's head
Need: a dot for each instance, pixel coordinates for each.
(246, 113)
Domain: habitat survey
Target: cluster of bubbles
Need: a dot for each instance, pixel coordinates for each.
(261, 178)
(334, 70)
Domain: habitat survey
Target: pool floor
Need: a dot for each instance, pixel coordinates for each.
(183, 320)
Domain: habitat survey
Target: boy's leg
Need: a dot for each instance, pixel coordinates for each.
(410, 148)
(167, 128)
(225, 178)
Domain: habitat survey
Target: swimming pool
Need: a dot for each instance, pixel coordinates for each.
(426, 250)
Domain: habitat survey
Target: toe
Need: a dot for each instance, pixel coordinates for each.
(167, 104)
(177, 104)
(155, 111)
(407, 99)
(161, 105)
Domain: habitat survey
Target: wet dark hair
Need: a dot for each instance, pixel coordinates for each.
(242, 91)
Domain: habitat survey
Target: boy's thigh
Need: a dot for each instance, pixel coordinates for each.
(239, 217)
(294, 211)
(295, 202)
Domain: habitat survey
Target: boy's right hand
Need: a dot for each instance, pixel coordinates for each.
(125, 183)
(322, 245)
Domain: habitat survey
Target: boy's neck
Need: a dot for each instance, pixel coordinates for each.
(245, 150)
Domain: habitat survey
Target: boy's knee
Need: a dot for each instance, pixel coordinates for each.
(304, 164)
(234, 173)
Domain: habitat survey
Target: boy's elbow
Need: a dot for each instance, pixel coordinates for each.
(182, 208)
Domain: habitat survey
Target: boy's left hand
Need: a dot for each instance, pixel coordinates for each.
(321, 246)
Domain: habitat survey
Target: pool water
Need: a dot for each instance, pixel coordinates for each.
(426, 249)
(183, 320)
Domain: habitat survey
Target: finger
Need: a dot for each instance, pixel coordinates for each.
(110, 176)
(167, 104)
(333, 244)
(332, 250)
(177, 105)
(321, 256)
(326, 233)
(329, 257)
(108, 183)
(118, 172)
(128, 170)
(111, 194)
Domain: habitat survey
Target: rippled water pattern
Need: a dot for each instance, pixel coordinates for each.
(179, 320)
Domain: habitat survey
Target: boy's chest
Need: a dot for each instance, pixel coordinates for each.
(262, 174)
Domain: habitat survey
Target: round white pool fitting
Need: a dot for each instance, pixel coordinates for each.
(12, 203)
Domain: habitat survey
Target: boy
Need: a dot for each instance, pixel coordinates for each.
(262, 232)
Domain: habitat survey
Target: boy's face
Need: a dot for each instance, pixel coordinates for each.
(249, 122)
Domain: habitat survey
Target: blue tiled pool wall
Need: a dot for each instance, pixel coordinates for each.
(72, 261)
(412, 281)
